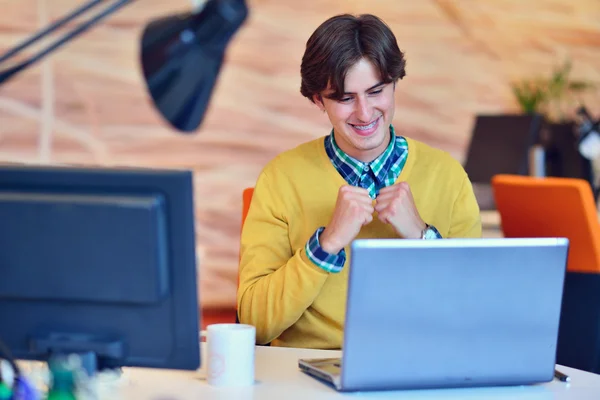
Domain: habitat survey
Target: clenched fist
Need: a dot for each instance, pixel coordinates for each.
(353, 209)
(395, 206)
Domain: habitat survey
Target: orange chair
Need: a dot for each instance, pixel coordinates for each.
(246, 200)
(561, 207)
(551, 207)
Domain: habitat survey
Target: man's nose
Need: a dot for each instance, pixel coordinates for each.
(363, 110)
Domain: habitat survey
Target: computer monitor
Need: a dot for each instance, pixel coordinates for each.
(99, 261)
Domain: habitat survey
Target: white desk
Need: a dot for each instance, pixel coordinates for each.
(278, 377)
(490, 219)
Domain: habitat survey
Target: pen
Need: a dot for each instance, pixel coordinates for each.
(561, 377)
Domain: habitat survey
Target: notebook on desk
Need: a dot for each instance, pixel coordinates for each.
(448, 313)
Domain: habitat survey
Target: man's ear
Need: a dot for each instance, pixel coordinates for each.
(318, 100)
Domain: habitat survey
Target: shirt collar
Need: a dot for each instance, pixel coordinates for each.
(352, 169)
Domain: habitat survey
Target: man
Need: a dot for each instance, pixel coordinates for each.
(361, 181)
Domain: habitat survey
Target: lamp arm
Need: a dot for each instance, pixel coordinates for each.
(49, 29)
(10, 72)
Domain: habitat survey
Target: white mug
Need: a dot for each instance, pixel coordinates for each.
(230, 354)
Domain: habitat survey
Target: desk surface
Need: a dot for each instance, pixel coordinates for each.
(278, 377)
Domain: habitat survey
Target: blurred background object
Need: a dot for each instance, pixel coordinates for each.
(544, 139)
(181, 54)
(588, 134)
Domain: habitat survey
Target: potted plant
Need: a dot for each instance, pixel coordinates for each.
(530, 94)
(557, 99)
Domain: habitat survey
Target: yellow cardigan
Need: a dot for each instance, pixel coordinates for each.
(291, 301)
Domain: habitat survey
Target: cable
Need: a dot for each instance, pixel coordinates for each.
(79, 29)
(49, 29)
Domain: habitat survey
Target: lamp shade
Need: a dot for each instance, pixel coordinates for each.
(181, 56)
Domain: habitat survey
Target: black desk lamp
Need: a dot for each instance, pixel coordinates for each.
(181, 55)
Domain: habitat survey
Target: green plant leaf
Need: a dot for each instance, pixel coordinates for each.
(530, 95)
(580, 86)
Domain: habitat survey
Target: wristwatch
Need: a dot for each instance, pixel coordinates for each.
(428, 233)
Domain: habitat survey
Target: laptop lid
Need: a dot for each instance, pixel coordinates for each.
(452, 313)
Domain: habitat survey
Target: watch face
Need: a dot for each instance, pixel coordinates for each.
(430, 234)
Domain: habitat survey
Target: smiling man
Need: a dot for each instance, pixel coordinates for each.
(362, 180)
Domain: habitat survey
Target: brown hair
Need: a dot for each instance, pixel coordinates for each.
(339, 43)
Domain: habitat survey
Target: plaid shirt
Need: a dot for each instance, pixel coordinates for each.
(373, 176)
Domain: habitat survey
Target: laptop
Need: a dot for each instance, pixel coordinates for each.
(425, 314)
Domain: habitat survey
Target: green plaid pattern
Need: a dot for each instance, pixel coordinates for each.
(328, 262)
(373, 176)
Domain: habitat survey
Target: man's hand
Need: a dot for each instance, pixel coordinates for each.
(353, 209)
(396, 206)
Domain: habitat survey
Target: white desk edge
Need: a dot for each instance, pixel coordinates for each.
(278, 376)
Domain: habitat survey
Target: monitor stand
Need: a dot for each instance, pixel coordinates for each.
(93, 350)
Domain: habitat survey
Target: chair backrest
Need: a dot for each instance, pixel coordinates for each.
(551, 207)
(246, 199)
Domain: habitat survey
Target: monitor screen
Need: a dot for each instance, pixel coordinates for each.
(99, 261)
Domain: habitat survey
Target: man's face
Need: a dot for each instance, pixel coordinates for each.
(361, 118)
